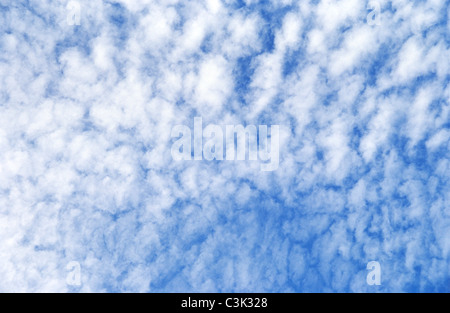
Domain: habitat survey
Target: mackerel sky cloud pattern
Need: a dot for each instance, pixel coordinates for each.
(86, 173)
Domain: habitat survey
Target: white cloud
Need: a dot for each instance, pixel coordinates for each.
(86, 173)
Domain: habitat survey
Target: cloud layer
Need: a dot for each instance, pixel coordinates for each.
(86, 172)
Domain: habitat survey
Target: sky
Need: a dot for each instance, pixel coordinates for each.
(91, 90)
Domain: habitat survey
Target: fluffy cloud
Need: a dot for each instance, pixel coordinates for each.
(86, 172)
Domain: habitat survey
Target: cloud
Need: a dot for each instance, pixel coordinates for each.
(86, 172)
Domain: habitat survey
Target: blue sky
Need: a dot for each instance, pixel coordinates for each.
(360, 90)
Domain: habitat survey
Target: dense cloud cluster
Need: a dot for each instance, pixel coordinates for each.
(362, 98)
